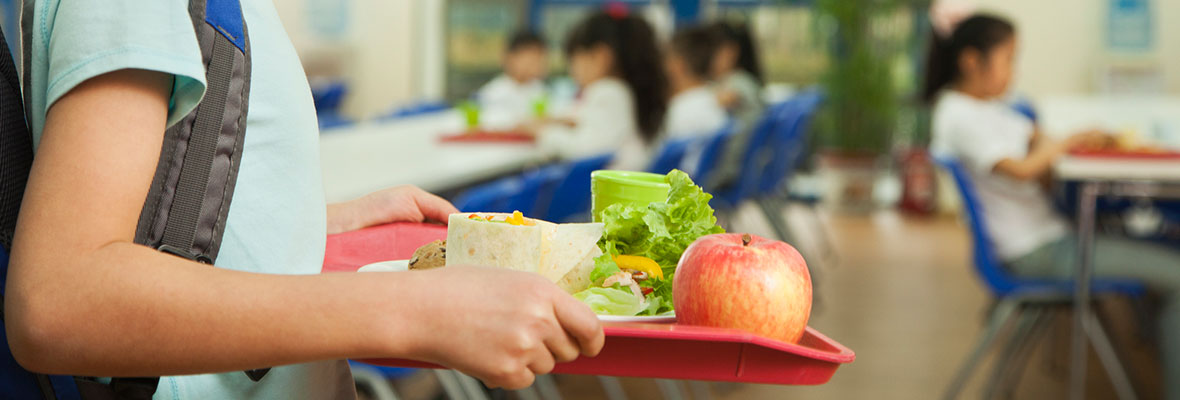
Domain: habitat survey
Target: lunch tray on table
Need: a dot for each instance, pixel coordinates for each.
(1128, 155)
(668, 351)
(482, 136)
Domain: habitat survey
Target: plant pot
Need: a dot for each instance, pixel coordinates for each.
(851, 179)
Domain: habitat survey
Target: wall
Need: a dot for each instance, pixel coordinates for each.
(1063, 43)
(390, 52)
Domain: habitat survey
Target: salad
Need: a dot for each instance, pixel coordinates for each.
(641, 245)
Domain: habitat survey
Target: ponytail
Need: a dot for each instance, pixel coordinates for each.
(980, 32)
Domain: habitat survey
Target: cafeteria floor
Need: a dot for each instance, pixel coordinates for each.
(903, 296)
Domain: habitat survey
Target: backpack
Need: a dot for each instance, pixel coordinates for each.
(185, 211)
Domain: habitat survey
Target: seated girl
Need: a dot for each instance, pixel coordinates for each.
(1006, 158)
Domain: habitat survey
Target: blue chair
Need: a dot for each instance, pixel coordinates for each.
(416, 109)
(571, 197)
(670, 155)
(328, 96)
(701, 163)
(502, 195)
(1029, 301)
(787, 142)
(754, 156)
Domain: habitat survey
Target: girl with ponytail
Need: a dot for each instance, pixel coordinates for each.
(968, 72)
(614, 59)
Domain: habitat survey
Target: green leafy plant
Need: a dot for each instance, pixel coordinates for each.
(861, 87)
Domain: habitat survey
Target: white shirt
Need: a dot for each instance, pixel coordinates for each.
(694, 112)
(504, 102)
(605, 123)
(980, 133)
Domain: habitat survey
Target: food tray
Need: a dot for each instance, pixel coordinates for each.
(669, 351)
(1132, 155)
(483, 136)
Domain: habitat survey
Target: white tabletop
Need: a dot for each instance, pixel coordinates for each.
(372, 156)
(1073, 168)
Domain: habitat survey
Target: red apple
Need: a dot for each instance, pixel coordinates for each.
(746, 282)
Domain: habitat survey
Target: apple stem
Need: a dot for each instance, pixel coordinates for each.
(746, 239)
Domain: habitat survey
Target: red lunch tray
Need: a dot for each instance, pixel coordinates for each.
(668, 351)
(482, 136)
(1128, 155)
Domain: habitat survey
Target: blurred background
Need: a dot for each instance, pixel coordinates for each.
(396, 83)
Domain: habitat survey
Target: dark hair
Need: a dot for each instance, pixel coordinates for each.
(980, 32)
(739, 34)
(637, 61)
(696, 46)
(525, 38)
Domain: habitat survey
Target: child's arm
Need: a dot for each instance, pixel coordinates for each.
(1043, 152)
(82, 299)
(396, 204)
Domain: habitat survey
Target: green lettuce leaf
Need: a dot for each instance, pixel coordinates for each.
(611, 301)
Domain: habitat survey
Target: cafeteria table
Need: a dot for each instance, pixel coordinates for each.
(1130, 177)
(372, 156)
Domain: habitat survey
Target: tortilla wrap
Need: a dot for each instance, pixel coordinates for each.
(551, 250)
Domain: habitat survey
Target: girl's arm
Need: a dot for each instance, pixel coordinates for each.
(82, 299)
(1043, 152)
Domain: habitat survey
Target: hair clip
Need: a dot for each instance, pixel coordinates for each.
(617, 10)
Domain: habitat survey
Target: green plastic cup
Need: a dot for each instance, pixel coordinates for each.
(470, 114)
(627, 187)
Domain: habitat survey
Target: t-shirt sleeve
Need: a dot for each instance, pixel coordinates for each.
(980, 147)
(87, 39)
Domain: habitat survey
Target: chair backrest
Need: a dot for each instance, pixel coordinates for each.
(670, 155)
(502, 195)
(571, 198)
(987, 262)
(412, 110)
(787, 143)
(702, 162)
(328, 96)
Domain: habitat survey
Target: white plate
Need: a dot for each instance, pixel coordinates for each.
(386, 266)
(640, 318)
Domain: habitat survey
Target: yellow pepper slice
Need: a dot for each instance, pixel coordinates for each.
(640, 263)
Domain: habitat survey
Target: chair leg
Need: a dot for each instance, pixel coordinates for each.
(700, 390)
(1110, 359)
(613, 388)
(547, 387)
(528, 393)
(1011, 378)
(1003, 311)
(377, 383)
(450, 384)
(1014, 352)
(671, 389)
(474, 390)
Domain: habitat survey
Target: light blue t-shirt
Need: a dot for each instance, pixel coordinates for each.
(277, 217)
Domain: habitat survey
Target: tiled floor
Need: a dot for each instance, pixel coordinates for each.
(903, 296)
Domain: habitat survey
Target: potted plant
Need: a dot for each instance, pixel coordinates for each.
(863, 91)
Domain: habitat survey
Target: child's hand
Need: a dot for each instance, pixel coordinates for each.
(501, 326)
(396, 204)
(1093, 139)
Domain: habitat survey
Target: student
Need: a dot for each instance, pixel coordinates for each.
(614, 59)
(968, 74)
(509, 99)
(82, 299)
(736, 73)
(693, 109)
(737, 80)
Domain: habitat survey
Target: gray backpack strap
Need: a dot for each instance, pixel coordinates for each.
(186, 208)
